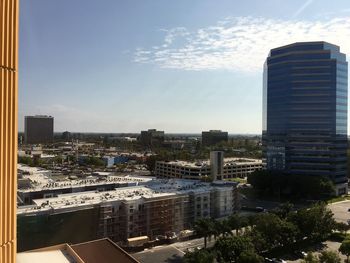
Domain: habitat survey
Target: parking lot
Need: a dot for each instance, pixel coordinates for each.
(340, 211)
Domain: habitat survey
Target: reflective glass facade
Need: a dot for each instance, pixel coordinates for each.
(305, 110)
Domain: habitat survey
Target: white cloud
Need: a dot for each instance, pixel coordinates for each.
(239, 44)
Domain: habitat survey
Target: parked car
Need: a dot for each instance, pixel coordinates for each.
(300, 254)
(278, 260)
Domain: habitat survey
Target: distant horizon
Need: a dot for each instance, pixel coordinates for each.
(165, 132)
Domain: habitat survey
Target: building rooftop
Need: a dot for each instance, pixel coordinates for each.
(102, 250)
(42, 179)
(59, 255)
(156, 188)
(206, 163)
(95, 251)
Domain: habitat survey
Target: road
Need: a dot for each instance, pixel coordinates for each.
(172, 253)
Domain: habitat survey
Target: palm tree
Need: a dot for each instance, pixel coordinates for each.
(235, 222)
(204, 227)
(225, 228)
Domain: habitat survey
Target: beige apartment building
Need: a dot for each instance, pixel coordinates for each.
(164, 207)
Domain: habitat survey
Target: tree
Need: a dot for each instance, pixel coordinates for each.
(269, 226)
(342, 227)
(229, 249)
(221, 228)
(199, 256)
(310, 258)
(25, 160)
(328, 256)
(283, 210)
(288, 233)
(345, 248)
(257, 240)
(204, 227)
(236, 222)
(249, 257)
(315, 223)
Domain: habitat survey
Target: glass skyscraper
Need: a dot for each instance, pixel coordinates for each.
(305, 111)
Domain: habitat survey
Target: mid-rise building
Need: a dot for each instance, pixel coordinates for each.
(163, 207)
(151, 137)
(213, 137)
(38, 129)
(215, 168)
(305, 111)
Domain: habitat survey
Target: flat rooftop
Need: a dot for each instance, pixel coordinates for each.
(102, 250)
(155, 189)
(206, 163)
(41, 179)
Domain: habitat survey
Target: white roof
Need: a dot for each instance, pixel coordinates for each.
(53, 256)
(157, 188)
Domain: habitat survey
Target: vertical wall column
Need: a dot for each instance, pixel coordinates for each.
(8, 128)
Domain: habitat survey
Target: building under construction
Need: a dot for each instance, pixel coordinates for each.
(160, 208)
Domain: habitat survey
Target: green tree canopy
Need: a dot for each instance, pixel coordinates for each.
(229, 249)
(345, 248)
(328, 256)
(204, 227)
(249, 257)
(199, 256)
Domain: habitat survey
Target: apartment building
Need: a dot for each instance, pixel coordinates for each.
(163, 207)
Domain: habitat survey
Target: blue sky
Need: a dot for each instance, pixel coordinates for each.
(178, 66)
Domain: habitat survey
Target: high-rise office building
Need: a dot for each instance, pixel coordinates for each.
(38, 129)
(8, 128)
(212, 137)
(305, 111)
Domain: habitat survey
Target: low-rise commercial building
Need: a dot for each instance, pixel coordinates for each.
(37, 183)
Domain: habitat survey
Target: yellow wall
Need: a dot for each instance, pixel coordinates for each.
(8, 128)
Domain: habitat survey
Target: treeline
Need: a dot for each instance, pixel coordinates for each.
(282, 229)
(268, 183)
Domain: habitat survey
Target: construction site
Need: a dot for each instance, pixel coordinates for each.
(160, 208)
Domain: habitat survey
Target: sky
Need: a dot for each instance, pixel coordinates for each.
(179, 66)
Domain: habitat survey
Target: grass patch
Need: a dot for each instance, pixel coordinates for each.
(237, 179)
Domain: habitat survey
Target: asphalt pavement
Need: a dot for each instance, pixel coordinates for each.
(340, 211)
